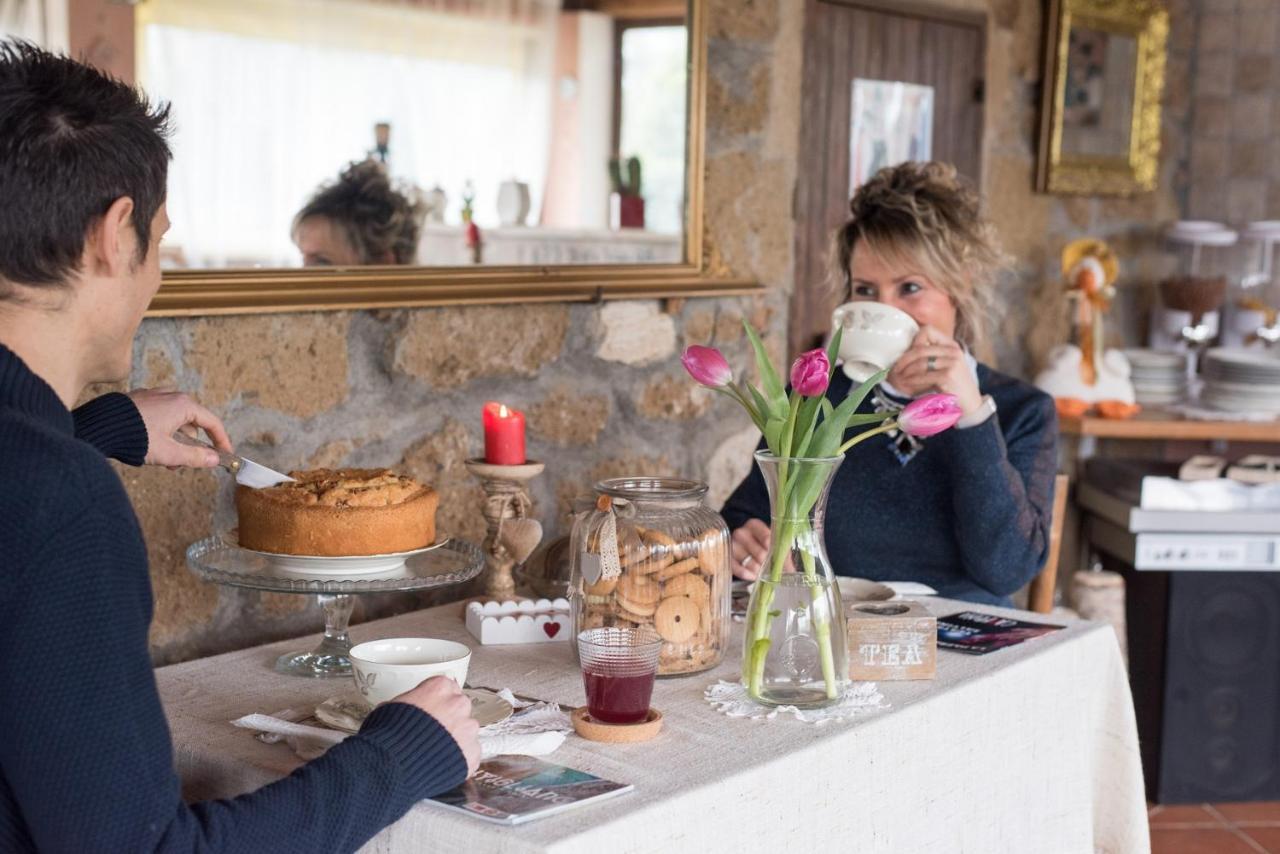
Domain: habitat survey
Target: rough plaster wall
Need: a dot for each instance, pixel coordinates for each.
(601, 386)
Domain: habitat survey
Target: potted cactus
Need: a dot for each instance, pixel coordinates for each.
(626, 204)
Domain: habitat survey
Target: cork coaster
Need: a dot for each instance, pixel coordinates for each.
(594, 730)
(677, 619)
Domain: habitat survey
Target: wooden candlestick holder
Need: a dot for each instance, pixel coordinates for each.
(513, 534)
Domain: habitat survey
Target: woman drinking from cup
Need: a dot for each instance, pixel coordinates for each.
(966, 511)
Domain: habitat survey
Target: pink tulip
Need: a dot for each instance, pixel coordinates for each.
(810, 372)
(707, 366)
(929, 414)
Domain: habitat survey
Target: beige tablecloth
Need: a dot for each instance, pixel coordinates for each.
(1029, 749)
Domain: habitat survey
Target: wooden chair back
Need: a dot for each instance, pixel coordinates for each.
(1040, 594)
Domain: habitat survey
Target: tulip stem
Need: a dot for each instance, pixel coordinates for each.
(883, 428)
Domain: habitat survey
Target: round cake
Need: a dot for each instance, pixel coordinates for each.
(338, 513)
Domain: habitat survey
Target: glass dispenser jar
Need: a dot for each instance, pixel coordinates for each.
(651, 553)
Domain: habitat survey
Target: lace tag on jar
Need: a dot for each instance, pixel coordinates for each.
(610, 564)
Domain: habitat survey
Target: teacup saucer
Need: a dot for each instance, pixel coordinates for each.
(348, 713)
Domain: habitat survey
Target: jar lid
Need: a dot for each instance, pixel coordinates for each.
(642, 488)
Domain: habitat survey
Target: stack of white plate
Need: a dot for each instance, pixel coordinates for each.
(1159, 377)
(1241, 381)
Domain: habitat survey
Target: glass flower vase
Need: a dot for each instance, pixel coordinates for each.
(795, 649)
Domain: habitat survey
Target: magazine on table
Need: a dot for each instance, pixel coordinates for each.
(976, 633)
(516, 789)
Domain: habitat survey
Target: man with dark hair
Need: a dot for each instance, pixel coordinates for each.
(85, 758)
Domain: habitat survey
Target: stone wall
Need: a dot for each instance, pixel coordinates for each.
(601, 386)
(1234, 172)
(1033, 226)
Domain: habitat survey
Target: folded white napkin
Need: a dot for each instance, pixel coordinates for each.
(535, 729)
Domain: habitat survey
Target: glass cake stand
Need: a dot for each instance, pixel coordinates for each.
(219, 560)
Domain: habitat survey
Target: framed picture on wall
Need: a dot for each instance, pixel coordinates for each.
(1100, 123)
(890, 122)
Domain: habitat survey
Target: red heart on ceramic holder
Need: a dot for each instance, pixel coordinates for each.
(552, 629)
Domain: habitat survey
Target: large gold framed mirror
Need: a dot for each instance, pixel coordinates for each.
(364, 153)
(1104, 73)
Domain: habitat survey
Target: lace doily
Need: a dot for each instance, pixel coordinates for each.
(731, 698)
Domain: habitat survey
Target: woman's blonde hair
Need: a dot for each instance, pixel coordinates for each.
(927, 215)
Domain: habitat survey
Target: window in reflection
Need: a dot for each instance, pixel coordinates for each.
(278, 103)
(652, 118)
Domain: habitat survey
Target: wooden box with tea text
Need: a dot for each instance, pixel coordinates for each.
(892, 641)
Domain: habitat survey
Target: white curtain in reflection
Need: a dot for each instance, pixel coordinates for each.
(27, 19)
(271, 98)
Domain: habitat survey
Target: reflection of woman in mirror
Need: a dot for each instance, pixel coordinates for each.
(967, 511)
(359, 219)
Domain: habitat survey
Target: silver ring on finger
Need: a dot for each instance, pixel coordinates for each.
(746, 562)
(931, 364)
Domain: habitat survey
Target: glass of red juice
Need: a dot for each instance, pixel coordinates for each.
(618, 669)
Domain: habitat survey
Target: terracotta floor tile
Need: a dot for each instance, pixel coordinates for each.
(1193, 814)
(1268, 838)
(1198, 841)
(1266, 812)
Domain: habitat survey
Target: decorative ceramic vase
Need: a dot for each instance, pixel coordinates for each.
(795, 651)
(513, 202)
(436, 203)
(626, 211)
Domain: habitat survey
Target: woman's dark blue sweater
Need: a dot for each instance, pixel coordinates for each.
(968, 514)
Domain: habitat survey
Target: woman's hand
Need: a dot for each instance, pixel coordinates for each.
(750, 549)
(936, 363)
(165, 412)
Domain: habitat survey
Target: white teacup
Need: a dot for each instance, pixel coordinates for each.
(384, 669)
(875, 336)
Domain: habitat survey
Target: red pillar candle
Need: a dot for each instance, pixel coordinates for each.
(503, 435)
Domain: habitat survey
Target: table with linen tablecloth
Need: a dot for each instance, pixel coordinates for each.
(1029, 749)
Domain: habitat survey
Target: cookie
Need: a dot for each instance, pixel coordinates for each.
(602, 587)
(632, 554)
(688, 585)
(635, 619)
(639, 589)
(640, 610)
(656, 538)
(712, 556)
(677, 619)
(677, 569)
(653, 564)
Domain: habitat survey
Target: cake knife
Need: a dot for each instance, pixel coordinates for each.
(247, 472)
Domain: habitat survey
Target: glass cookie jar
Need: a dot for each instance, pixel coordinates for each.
(651, 553)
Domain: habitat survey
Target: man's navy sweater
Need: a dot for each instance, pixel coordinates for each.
(968, 514)
(86, 763)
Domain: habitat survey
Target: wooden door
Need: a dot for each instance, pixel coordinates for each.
(843, 43)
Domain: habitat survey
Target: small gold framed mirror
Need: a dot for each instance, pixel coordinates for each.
(1104, 73)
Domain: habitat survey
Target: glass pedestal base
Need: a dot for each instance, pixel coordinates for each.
(330, 657)
(314, 664)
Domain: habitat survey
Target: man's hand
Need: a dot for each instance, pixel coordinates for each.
(165, 412)
(441, 698)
